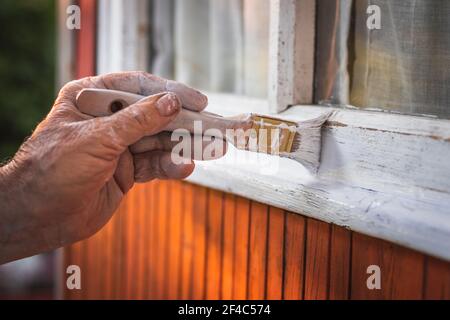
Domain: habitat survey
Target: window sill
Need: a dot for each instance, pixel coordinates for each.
(384, 175)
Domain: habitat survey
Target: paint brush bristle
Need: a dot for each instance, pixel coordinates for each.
(300, 141)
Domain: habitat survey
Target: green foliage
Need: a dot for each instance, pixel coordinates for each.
(27, 68)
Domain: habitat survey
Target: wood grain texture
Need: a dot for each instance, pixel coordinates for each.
(340, 262)
(131, 245)
(275, 254)
(437, 279)
(294, 253)
(291, 58)
(174, 243)
(317, 260)
(229, 214)
(162, 248)
(150, 222)
(241, 249)
(154, 240)
(257, 263)
(214, 245)
(199, 263)
(188, 243)
(246, 250)
(401, 270)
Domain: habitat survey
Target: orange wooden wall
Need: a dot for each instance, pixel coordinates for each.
(172, 240)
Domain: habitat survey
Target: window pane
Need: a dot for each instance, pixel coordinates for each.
(403, 67)
(216, 45)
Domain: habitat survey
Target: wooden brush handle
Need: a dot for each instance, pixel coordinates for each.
(104, 102)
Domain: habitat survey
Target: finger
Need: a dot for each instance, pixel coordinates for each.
(137, 82)
(159, 165)
(146, 117)
(124, 174)
(187, 145)
(147, 84)
(191, 99)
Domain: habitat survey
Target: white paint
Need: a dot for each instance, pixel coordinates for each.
(122, 39)
(110, 36)
(384, 175)
(291, 53)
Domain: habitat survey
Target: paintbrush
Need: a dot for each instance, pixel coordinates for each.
(300, 141)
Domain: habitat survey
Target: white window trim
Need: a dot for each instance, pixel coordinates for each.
(291, 53)
(382, 174)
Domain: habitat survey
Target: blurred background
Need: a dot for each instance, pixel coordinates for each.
(27, 82)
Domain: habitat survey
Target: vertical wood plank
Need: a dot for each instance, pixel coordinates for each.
(241, 236)
(228, 246)
(188, 239)
(294, 249)
(104, 263)
(160, 273)
(137, 235)
(122, 251)
(154, 241)
(401, 269)
(340, 260)
(291, 59)
(275, 254)
(199, 265)
(109, 258)
(144, 205)
(144, 263)
(317, 260)
(86, 267)
(131, 250)
(437, 279)
(114, 247)
(136, 241)
(214, 245)
(173, 267)
(258, 251)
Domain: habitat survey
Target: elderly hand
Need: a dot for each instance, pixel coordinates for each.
(66, 181)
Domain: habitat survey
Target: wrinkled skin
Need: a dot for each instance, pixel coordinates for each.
(69, 177)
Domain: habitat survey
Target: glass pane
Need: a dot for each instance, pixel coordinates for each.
(402, 67)
(216, 45)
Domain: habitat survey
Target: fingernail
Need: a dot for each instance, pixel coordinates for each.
(168, 104)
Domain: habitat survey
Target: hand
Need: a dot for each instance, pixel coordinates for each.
(66, 181)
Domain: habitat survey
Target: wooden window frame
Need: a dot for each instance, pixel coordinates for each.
(382, 174)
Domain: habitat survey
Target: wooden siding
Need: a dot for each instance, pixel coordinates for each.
(172, 239)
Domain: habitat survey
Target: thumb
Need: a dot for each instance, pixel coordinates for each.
(146, 117)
